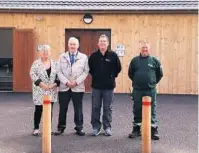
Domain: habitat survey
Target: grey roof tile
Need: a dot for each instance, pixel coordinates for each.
(100, 4)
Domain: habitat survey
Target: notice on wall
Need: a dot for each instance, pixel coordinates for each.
(120, 50)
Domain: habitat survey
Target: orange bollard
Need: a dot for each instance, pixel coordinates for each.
(146, 124)
(46, 129)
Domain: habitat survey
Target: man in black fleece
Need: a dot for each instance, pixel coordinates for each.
(104, 68)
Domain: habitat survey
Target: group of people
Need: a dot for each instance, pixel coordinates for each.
(64, 81)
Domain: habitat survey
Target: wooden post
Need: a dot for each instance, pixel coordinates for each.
(46, 130)
(146, 124)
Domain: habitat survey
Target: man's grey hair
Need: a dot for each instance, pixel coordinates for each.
(73, 39)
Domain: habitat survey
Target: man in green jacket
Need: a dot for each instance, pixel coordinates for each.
(145, 71)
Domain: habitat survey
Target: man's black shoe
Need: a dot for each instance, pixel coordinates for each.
(135, 133)
(154, 133)
(59, 132)
(80, 133)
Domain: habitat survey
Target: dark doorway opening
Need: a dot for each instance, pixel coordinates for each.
(6, 59)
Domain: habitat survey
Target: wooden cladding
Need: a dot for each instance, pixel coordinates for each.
(173, 39)
(22, 59)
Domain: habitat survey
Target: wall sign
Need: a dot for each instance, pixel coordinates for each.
(120, 50)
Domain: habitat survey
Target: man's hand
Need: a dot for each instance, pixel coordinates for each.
(74, 83)
(69, 84)
(43, 85)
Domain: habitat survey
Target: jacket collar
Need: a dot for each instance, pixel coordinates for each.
(75, 53)
(101, 53)
(67, 56)
(144, 57)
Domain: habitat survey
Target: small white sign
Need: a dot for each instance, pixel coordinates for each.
(120, 50)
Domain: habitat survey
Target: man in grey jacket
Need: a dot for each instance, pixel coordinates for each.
(72, 71)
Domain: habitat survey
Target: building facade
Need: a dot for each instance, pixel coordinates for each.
(171, 27)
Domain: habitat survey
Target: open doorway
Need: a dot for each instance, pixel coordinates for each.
(16, 57)
(6, 59)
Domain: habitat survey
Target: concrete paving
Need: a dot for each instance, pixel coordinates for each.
(177, 127)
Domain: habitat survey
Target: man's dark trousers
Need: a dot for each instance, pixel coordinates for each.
(64, 99)
(100, 97)
(137, 106)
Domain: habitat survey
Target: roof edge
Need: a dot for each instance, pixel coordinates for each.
(101, 9)
(190, 11)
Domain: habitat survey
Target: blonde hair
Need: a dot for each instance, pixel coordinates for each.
(46, 48)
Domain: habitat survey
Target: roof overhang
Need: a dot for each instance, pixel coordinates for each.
(139, 11)
(100, 6)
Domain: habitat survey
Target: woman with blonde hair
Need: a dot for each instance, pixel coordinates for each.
(43, 74)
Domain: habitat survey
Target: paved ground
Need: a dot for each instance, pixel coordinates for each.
(177, 115)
